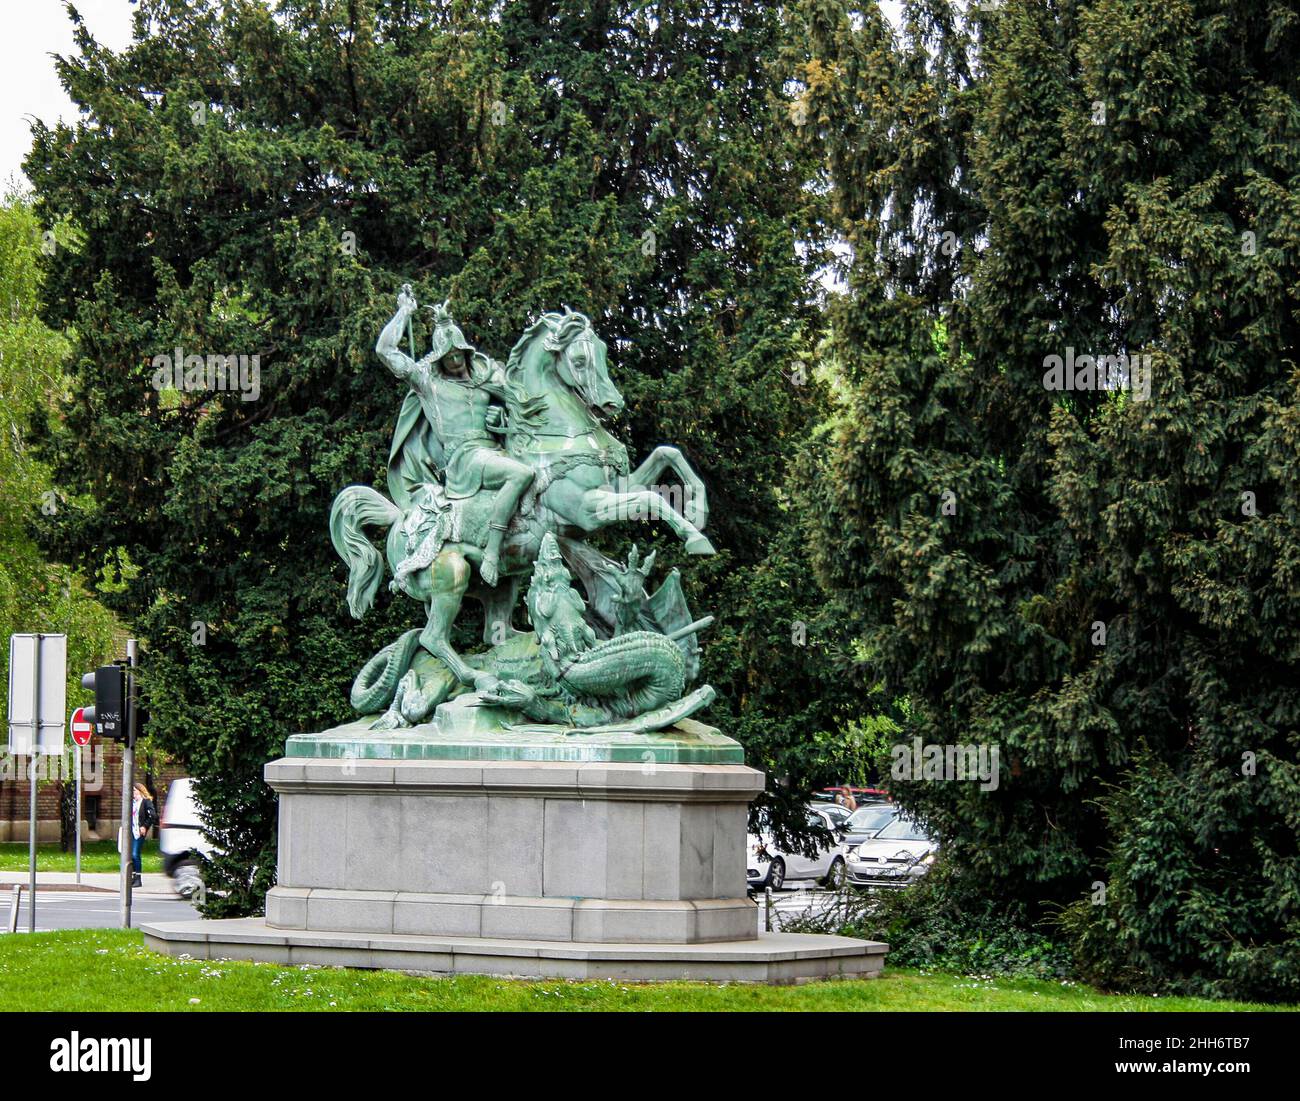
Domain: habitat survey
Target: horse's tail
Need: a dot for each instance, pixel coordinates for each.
(353, 508)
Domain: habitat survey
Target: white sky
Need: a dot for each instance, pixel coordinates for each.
(33, 30)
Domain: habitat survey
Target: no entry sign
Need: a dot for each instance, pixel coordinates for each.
(81, 730)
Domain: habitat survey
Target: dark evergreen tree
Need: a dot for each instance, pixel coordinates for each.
(1110, 595)
(261, 181)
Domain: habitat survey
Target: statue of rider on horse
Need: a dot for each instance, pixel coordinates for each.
(488, 462)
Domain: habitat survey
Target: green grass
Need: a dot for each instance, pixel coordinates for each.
(96, 856)
(102, 969)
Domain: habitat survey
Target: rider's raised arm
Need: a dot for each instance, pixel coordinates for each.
(388, 346)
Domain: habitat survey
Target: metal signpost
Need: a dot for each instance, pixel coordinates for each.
(115, 715)
(128, 782)
(37, 699)
(81, 734)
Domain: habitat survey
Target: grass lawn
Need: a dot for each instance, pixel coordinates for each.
(96, 856)
(101, 969)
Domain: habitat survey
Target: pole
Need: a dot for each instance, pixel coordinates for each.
(14, 902)
(128, 783)
(77, 825)
(35, 756)
(410, 329)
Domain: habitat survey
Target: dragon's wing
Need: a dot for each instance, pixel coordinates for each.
(598, 577)
(667, 607)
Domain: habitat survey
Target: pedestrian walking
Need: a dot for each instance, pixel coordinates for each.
(144, 816)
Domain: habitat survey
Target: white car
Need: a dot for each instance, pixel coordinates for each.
(899, 854)
(181, 836)
(769, 866)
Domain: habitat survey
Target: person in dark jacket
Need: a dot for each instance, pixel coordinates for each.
(144, 816)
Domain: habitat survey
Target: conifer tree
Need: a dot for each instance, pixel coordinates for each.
(1099, 580)
(261, 179)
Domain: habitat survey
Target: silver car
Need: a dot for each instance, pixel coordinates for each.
(899, 854)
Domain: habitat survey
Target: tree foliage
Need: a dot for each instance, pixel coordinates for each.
(257, 180)
(1118, 177)
(36, 595)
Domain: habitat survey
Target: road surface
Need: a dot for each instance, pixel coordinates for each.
(95, 910)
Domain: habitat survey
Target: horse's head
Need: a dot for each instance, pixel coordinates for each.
(581, 364)
(579, 361)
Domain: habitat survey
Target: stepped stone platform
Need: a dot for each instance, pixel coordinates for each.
(540, 853)
(769, 958)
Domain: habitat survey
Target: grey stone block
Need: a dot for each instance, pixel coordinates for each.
(444, 844)
(351, 911)
(778, 957)
(284, 770)
(729, 839)
(531, 919)
(506, 776)
(519, 967)
(329, 956)
(519, 837)
(454, 775)
(661, 868)
(624, 850)
(423, 963)
(696, 861)
(605, 921)
(374, 841)
(575, 848)
(286, 907)
(438, 915)
(313, 851)
(725, 920)
(514, 831)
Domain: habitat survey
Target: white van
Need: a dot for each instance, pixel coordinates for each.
(182, 836)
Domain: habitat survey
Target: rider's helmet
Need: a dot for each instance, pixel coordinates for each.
(446, 335)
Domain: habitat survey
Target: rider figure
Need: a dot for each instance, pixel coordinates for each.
(455, 385)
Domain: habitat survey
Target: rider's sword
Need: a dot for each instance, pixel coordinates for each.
(410, 329)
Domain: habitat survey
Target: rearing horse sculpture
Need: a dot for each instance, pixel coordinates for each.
(581, 485)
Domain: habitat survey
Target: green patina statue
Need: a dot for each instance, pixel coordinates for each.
(498, 470)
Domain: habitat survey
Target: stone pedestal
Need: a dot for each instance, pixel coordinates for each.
(536, 855)
(543, 850)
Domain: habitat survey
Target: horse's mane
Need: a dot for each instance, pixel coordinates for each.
(565, 327)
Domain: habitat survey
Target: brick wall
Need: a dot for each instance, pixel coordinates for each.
(101, 790)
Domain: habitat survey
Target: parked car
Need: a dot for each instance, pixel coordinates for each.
(181, 838)
(838, 814)
(770, 866)
(864, 823)
(899, 853)
(860, 795)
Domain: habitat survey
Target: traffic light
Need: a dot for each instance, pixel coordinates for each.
(108, 715)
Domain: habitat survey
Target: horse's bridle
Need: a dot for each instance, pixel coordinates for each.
(584, 341)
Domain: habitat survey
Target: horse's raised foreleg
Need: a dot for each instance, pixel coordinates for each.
(695, 498)
(608, 506)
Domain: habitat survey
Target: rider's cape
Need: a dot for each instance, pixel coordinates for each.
(416, 456)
